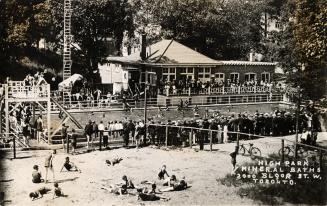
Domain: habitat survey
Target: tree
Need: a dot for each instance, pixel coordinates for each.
(25, 24)
(310, 34)
(95, 23)
(3, 32)
(220, 29)
(300, 46)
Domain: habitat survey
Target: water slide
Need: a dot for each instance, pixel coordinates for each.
(67, 113)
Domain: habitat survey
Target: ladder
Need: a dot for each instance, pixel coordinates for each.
(2, 116)
(67, 60)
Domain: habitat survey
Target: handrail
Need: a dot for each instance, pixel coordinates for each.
(67, 113)
(169, 91)
(18, 89)
(241, 133)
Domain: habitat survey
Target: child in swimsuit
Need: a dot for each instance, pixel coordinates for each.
(162, 173)
(69, 166)
(39, 193)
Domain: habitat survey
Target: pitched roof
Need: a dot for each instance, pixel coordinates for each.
(248, 63)
(168, 52)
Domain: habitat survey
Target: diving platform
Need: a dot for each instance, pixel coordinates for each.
(16, 96)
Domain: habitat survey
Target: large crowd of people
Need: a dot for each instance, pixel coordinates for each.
(224, 128)
(177, 87)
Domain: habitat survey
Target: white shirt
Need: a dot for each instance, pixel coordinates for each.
(101, 127)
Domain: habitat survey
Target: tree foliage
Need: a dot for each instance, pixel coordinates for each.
(220, 29)
(95, 23)
(311, 30)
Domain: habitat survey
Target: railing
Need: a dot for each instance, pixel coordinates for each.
(174, 101)
(217, 90)
(173, 135)
(17, 89)
(13, 140)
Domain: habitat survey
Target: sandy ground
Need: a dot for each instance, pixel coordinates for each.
(201, 169)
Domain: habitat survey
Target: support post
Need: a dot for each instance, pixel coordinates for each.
(145, 107)
(210, 140)
(49, 120)
(100, 140)
(283, 154)
(166, 142)
(297, 122)
(238, 136)
(321, 160)
(7, 118)
(33, 112)
(191, 138)
(67, 144)
(14, 146)
(1, 119)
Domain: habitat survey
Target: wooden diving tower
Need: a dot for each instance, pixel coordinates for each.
(15, 93)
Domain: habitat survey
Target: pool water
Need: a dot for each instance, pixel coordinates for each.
(172, 114)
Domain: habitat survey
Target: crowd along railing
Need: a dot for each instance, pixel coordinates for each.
(17, 89)
(216, 90)
(173, 102)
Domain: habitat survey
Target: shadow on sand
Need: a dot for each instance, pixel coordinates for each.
(67, 180)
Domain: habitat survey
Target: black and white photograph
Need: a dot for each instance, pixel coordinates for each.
(163, 102)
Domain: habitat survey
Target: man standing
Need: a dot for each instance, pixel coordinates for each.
(88, 132)
(95, 129)
(131, 129)
(101, 128)
(48, 165)
(126, 133)
(64, 136)
(39, 128)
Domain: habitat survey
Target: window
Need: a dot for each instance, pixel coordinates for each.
(204, 74)
(186, 73)
(182, 70)
(220, 77)
(168, 74)
(250, 77)
(234, 77)
(265, 77)
(278, 25)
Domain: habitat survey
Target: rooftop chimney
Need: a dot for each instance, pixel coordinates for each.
(143, 47)
(252, 57)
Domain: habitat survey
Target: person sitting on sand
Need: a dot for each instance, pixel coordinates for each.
(162, 173)
(120, 188)
(57, 191)
(152, 195)
(115, 189)
(170, 181)
(70, 166)
(39, 193)
(36, 175)
(180, 185)
(114, 161)
(127, 183)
